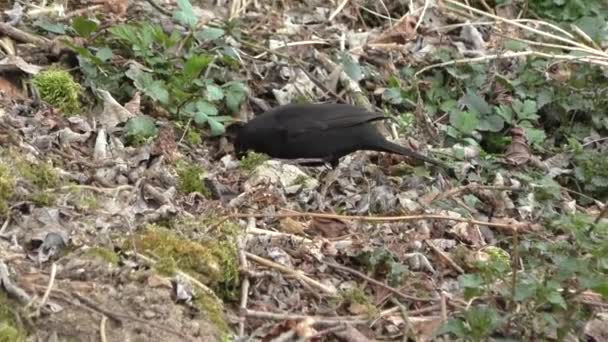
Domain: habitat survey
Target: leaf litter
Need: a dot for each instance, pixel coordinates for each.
(73, 240)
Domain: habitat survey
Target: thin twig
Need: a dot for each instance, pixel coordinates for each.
(102, 329)
(50, 286)
(296, 273)
(445, 257)
(508, 227)
(588, 59)
(378, 283)
(527, 28)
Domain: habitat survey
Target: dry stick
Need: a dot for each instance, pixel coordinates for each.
(24, 37)
(588, 59)
(378, 283)
(296, 317)
(508, 227)
(494, 22)
(47, 292)
(102, 329)
(548, 45)
(242, 244)
(7, 220)
(514, 264)
(426, 5)
(337, 10)
(445, 257)
(296, 273)
(542, 33)
(259, 231)
(13, 290)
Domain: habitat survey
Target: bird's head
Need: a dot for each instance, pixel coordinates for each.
(233, 132)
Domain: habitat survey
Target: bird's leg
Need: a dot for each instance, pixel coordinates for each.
(330, 177)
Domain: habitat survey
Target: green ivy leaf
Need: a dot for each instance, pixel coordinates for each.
(505, 112)
(465, 122)
(206, 108)
(351, 67)
(216, 127)
(56, 28)
(492, 123)
(141, 127)
(535, 136)
(525, 110)
(84, 27)
(158, 91)
(214, 93)
(104, 54)
(476, 103)
(185, 15)
(392, 95)
(235, 93)
(210, 34)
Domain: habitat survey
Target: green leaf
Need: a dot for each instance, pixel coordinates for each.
(206, 108)
(104, 54)
(491, 123)
(465, 122)
(535, 136)
(185, 15)
(505, 112)
(141, 127)
(235, 93)
(216, 127)
(392, 95)
(214, 93)
(524, 291)
(351, 67)
(476, 103)
(556, 298)
(210, 33)
(51, 27)
(84, 27)
(525, 110)
(158, 91)
(515, 45)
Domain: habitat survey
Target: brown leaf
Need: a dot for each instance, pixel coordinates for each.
(518, 153)
(291, 226)
(165, 143)
(134, 106)
(327, 227)
(10, 89)
(400, 33)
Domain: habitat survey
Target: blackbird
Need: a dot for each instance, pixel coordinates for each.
(315, 131)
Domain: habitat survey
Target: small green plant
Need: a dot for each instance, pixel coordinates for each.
(252, 160)
(191, 178)
(189, 81)
(356, 296)
(43, 177)
(383, 263)
(7, 184)
(58, 88)
(140, 130)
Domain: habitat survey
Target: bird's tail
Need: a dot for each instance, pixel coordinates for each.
(387, 146)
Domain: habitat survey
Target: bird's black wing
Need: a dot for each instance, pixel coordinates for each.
(307, 118)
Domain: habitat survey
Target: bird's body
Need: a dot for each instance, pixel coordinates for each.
(316, 131)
